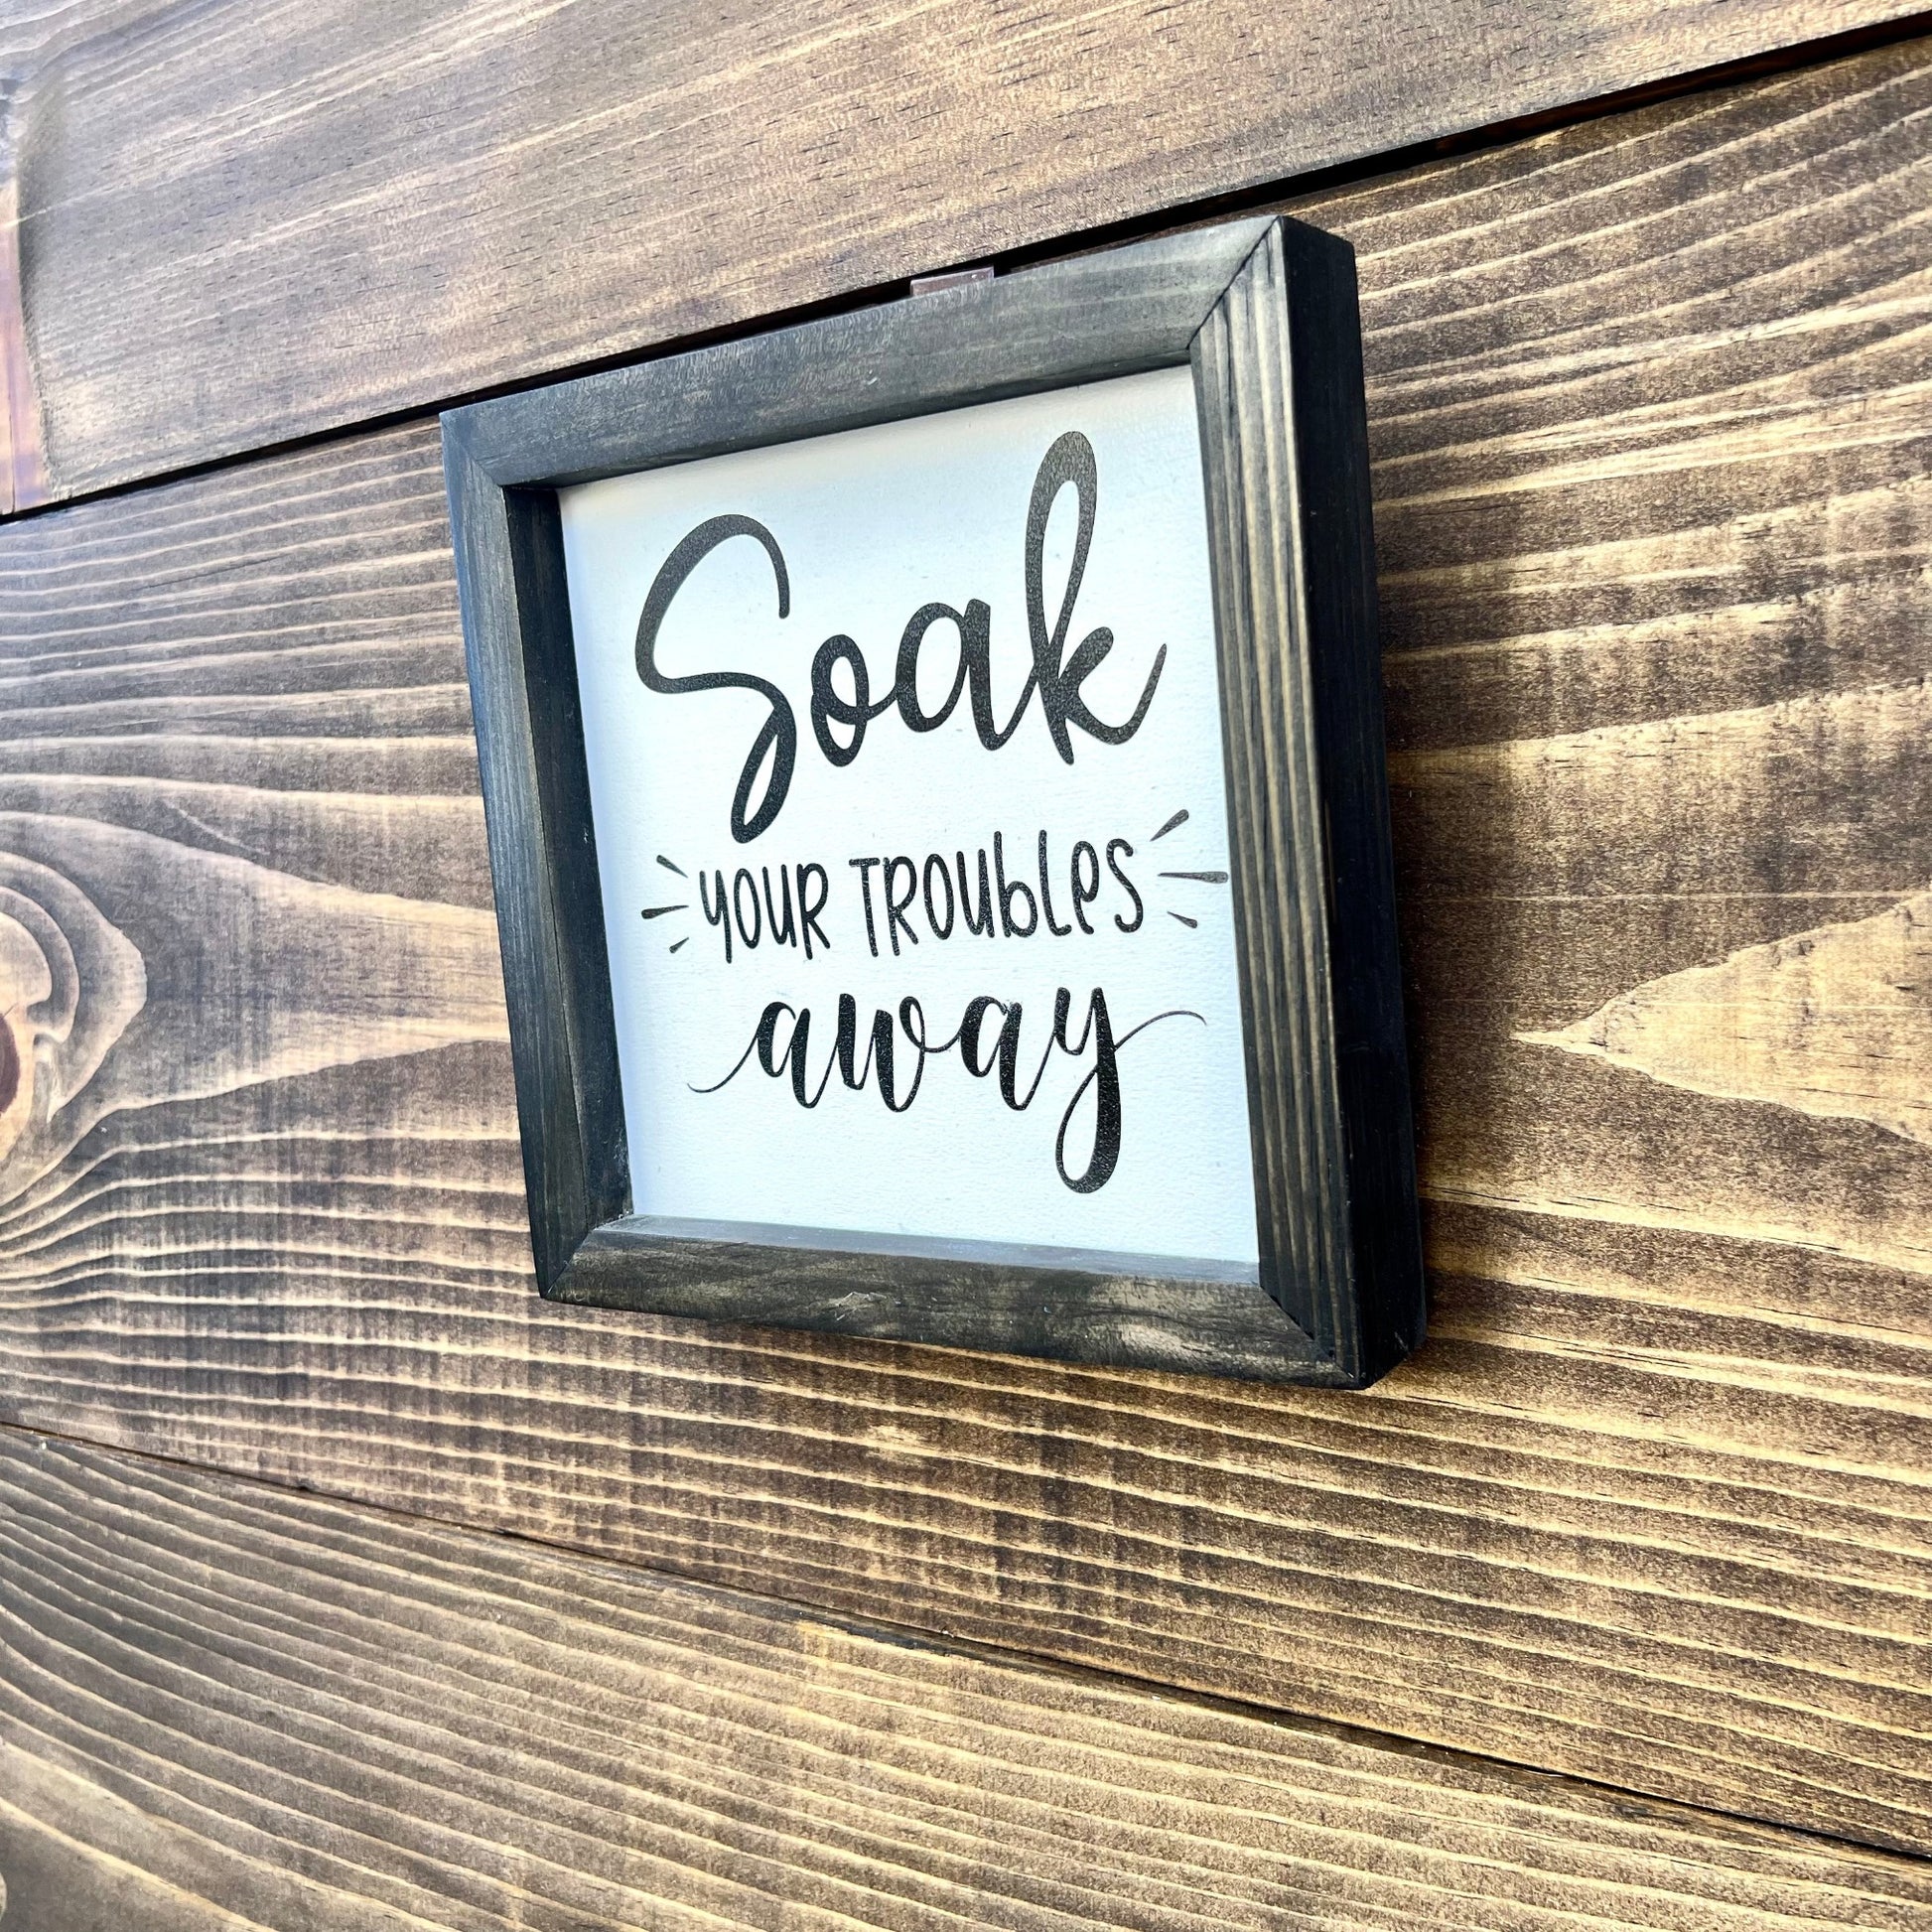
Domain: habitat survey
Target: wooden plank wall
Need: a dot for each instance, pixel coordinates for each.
(316, 1714)
(1648, 400)
(246, 221)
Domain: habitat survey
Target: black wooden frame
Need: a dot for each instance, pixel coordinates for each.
(1264, 313)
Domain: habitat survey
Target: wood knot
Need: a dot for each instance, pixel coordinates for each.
(69, 984)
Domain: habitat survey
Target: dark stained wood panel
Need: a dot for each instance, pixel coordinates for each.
(239, 223)
(222, 1698)
(1646, 403)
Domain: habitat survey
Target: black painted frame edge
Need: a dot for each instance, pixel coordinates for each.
(1143, 306)
(1064, 1305)
(1330, 439)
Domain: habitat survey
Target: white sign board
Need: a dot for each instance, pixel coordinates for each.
(905, 763)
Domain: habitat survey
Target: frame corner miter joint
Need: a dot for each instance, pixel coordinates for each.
(1170, 433)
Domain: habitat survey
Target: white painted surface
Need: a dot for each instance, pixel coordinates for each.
(874, 525)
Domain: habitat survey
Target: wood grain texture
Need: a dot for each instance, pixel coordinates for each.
(36, 36)
(1647, 409)
(241, 224)
(1835, 1021)
(226, 1706)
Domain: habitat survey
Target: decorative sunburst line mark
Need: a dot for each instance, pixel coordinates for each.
(1191, 924)
(1179, 818)
(1205, 878)
(685, 942)
(682, 905)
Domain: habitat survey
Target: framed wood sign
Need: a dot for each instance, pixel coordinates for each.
(933, 767)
